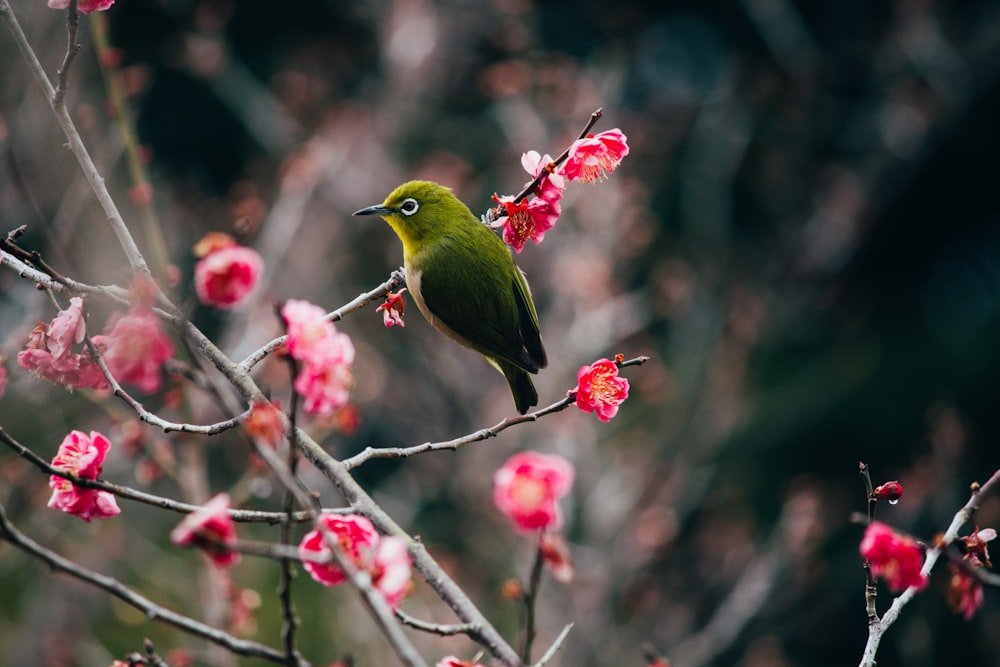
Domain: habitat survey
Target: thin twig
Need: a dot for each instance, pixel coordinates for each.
(554, 648)
(529, 598)
(484, 434)
(154, 611)
(445, 630)
(72, 49)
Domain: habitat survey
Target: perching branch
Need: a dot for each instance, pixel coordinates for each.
(484, 434)
(154, 611)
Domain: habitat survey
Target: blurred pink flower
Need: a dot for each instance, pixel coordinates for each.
(594, 157)
(356, 537)
(66, 328)
(527, 488)
(224, 277)
(82, 455)
(265, 423)
(85, 6)
(551, 187)
(896, 558)
(136, 348)
(391, 571)
(600, 389)
(4, 378)
(965, 594)
(49, 355)
(211, 529)
(525, 221)
(308, 329)
(452, 661)
(556, 556)
(325, 379)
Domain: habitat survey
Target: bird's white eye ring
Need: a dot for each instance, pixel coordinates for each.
(409, 206)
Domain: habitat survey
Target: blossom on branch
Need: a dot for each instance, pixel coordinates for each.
(226, 272)
(49, 354)
(891, 491)
(600, 389)
(385, 559)
(85, 6)
(393, 309)
(264, 423)
(82, 456)
(595, 156)
(527, 488)
(525, 221)
(325, 379)
(211, 529)
(965, 592)
(551, 187)
(135, 348)
(894, 557)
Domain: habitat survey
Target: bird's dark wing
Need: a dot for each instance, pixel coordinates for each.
(490, 310)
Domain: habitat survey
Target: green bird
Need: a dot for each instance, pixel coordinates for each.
(464, 281)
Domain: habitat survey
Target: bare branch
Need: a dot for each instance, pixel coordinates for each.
(154, 611)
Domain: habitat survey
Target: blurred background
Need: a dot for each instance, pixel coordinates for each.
(805, 239)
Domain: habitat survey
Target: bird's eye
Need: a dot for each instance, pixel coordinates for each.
(409, 206)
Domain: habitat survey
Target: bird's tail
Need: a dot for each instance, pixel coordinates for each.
(523, 390)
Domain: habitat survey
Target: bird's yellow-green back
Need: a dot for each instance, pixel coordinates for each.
(464, 281)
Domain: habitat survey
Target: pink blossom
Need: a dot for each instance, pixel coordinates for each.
(4, 378)
(85, 6)
(211, 529)
(71, 369)
(82, 456)
(356, 537)
(66, 329)
(551, 187)
(452, 661)
(308, 329)
(325, 379)
(136, 348)
(594, 157)
(600, 389)
(224, 277)
(965, 593)
(897, 558)
(556, 556)
(525, 221)
(527, 488)
(891, 491)
(392, 571)
(265, 423)
(393, 309)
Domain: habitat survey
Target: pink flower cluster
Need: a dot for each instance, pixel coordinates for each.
(527, 488)
(894, 557)
(600, 389)
(85, 6)
(83, 456)
(325, 379)
(965, 592)
(211, 529)
(588, 160)
(50, 352)
(385, 559)
(226, 272)
(134, 347)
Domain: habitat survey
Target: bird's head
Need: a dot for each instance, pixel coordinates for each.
(419, 211)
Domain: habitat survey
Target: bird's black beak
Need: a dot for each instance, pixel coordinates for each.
(378, 209)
